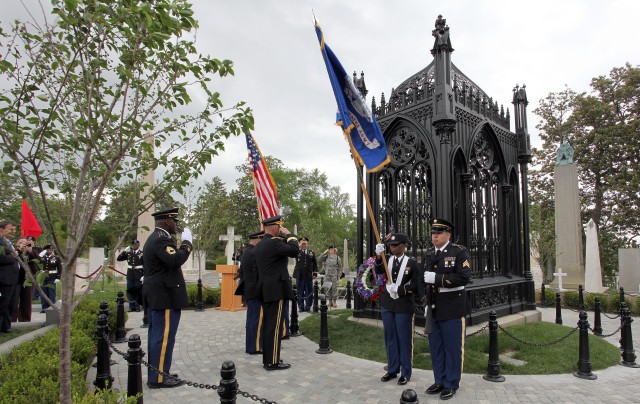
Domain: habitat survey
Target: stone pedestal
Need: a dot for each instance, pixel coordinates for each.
(629, 269)
(229, 301)
(568, 227)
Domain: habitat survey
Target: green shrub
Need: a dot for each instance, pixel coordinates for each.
(210, 297)
(29, 373)
(549, 294)
(613, 303)
(570, 299)
(635, 310)
(590, 300)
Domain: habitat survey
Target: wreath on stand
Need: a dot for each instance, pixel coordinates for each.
(370, 285)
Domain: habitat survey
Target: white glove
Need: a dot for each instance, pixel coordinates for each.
(42, 253)
(430, 277)
(186, 235)
(142, 279)
(379, 249)
(128, 249)
(392, 288)
(56, 281)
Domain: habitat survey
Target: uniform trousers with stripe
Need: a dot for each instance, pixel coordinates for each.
(163, 326)
(398, 341)
(285, 317)
(446, 342)
(272, 331)
(254, 326)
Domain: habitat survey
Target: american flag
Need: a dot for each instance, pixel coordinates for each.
(265, 188)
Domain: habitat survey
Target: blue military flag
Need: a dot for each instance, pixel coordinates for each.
(355, 117)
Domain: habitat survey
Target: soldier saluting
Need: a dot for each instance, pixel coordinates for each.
(165, 294)
(133, 255)
(274, 286)
(446, 272)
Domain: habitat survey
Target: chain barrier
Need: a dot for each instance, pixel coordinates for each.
(189, 383)
(539, 344)
(610, 318)
(606, 335)
(91, 275)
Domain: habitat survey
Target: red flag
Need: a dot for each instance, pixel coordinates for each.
(265, 188)
(29, 225)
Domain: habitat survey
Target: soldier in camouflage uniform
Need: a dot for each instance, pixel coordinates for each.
(332, 272)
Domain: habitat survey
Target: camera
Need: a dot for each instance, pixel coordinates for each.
(29, 245)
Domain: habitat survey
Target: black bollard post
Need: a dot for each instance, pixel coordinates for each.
(584, 361)
(348, 297)
(493, 367)
(543, 296)
(121, 332)
(409, 396)
(324, 330)
(103, 374)
(580, 298)
(134, 360)
(628, 354)
(597, 321)
(199, 305)
(295, 328)
(621, 305)
(228, 389)
(316, 289)
(145, 318)
(558, 309)
(104, 309)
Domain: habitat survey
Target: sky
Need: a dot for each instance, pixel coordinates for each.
(280, 73)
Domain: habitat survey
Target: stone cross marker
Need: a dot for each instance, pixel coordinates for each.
(230, 238)
(559, 275)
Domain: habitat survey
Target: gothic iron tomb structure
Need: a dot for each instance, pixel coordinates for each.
(454, 156)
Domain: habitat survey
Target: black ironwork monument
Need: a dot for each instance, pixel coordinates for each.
(453, 155)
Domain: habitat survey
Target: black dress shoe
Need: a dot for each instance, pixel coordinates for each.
(447, 394)
(285, 337)
(277, 366)
(388, 376)
(434, 389)
(255, 353)
(167, 384)
(402, 381)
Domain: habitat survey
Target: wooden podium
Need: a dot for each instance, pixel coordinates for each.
(229, 301)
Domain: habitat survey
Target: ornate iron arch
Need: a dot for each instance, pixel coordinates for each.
(405, 186)
(486, 205)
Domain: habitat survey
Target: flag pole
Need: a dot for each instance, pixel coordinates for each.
(369, 208)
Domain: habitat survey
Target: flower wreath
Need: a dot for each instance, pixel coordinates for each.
(370, 285)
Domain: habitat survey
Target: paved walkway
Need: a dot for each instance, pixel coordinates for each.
(207, 339)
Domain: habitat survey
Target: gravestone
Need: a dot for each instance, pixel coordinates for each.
(558, 280)
(146, 222)
(569, 253)
(629, 269)
(593, 269)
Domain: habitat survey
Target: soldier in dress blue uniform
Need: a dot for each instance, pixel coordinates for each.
(248, 274)
(274, 286)
(397, 307)
(303, 273)
(133, 255)
(52, 267)
(164, 293)
(447, 270)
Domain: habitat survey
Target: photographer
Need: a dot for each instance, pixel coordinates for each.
(24, 295)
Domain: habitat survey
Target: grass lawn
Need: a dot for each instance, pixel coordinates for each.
(367, 342)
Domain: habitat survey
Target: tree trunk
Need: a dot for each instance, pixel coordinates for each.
(67, 284)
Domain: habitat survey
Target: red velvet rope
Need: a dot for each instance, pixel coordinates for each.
(89, 276)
